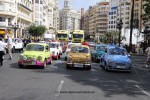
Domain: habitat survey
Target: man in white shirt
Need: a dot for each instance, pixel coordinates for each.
(147, 51)
(9, 47)
(2, 49)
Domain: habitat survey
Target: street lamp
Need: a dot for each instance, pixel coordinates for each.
(119, 26)
(15, 27)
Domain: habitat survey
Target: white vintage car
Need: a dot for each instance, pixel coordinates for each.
(17, 44)
(55, 50)
(68, 48)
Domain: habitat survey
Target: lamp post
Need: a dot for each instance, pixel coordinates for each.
(119, 26)
(15, 27)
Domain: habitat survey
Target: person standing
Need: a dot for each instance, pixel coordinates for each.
(9, 47)
(147, 52)
(2, 50)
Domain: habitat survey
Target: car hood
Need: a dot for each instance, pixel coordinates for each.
(119, 58)
(100, 51)
(32, 53)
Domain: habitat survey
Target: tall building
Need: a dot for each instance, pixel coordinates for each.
(113, 8)
(15, 16)
(45, 12)
(95, 19)
(82, 19)
(69, 19)
(124, 13)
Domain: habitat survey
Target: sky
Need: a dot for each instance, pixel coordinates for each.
(78, 4)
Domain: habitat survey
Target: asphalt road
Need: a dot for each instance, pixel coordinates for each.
(55, 82)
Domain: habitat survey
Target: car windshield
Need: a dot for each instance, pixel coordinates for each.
(70, 45)
(77, 35)
(101, 48)
(53, 45)
(117, 51)
(62, 35)
(79, 49)
(35, 47)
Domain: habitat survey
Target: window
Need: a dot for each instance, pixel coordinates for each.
(2, 19)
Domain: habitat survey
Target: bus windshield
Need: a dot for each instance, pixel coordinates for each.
(62, 35)
(77, 35)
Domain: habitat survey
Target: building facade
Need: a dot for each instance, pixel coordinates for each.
(45, 12)
(15, 16)
(69, 19)
(96, 19)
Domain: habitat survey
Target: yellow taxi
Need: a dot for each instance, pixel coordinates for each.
(79, 56)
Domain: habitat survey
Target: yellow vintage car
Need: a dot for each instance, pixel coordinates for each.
(79, 56)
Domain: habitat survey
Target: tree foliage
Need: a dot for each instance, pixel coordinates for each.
(146, 15)
(111, 37)
(36, 30)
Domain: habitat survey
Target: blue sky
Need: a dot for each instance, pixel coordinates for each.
(78, 4)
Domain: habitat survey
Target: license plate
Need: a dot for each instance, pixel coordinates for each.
(77, 65)
(33, 63)
(120, 66)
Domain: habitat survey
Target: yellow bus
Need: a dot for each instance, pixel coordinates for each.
(78, 36)
(62, 35)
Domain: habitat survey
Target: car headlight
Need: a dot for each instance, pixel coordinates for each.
(39, 58)
(88, 60)
(24, 58)
(21, 57)
(69, 59)
(53, 52)
(34, 58)
(110, 60)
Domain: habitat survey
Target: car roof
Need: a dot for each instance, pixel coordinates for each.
(101, 45)
(115, 46)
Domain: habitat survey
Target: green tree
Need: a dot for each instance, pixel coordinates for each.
(146, 15)
(36, 31)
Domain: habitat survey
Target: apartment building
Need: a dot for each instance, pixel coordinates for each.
(15, 16)
(45, 12)
(95, 19)
(69, 18)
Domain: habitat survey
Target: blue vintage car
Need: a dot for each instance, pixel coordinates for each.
(98, 52)
(116, 58)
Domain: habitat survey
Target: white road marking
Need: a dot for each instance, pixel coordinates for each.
(59, 88)
(143, 90)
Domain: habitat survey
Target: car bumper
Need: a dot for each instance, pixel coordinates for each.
(78, 65)
(36, 63)
(120, 68)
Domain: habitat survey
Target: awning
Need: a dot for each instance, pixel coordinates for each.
(2, 31)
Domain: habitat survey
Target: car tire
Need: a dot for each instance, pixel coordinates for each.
(89, 68)
(67, 66)
(59, 56)
(51, 61)
(20, 66)
(65, 58)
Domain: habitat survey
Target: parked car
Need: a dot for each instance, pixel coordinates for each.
(37, 54)
(54, 50)
(17, 44)
(98, 52)
(68, 49)
(79, 56)
(116, 58)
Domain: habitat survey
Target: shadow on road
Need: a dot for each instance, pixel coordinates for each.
(112, 83)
